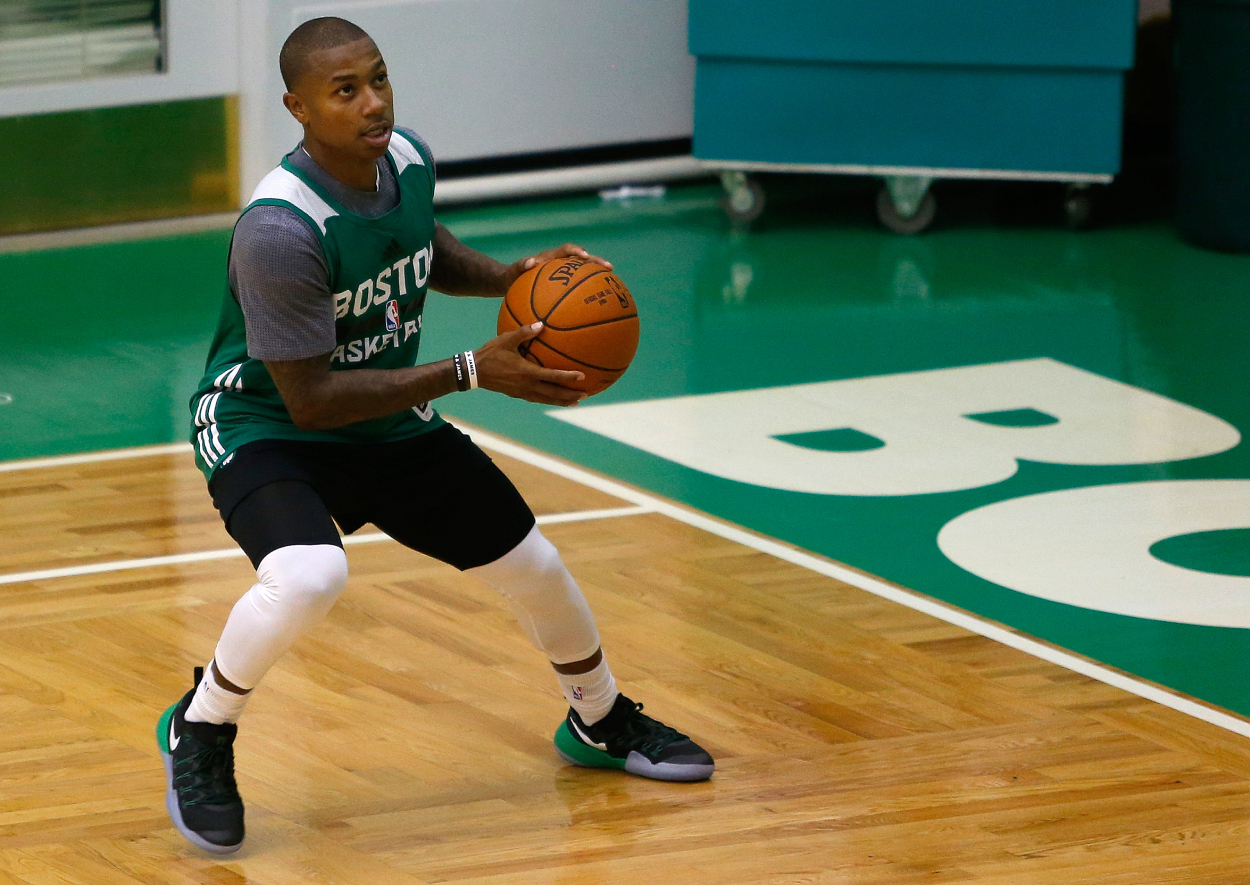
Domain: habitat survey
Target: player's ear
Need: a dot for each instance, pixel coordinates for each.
(295, 105)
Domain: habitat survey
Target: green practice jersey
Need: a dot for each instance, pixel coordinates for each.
(379, 271)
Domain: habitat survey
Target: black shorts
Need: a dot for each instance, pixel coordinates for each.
(437, 493)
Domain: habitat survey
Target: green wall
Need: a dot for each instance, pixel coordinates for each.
(112, 165)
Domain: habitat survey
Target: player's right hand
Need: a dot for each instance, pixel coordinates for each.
(502, 368)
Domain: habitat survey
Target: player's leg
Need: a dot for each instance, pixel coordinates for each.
(481, 525)
(554, 614)
(290, 538)
(603, 728)
(289, 535)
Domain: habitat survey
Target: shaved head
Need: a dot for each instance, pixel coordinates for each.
(311, 37)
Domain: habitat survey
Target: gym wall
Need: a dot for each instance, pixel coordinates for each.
(477, 78)
(491, 78)
(120, 147)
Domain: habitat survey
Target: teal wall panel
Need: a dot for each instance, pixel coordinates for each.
(954, 117)
(1057, 33)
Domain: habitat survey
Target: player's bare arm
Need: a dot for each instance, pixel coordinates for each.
(319, 399)
(459, 270)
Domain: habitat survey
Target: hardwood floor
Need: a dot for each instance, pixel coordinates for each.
(408, 738)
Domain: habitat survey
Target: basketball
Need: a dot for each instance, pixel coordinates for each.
(590, 321)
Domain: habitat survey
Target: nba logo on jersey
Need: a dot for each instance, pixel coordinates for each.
(392, 316)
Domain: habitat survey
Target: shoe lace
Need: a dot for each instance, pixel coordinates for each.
(208, 776)
(648, 735)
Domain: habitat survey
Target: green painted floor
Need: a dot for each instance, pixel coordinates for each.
(101, 346)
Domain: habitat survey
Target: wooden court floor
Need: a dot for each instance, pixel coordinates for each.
(408, 738)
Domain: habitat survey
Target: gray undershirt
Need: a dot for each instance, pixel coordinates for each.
(279, 273)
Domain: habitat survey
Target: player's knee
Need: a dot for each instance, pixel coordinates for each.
(547, 601)
(542, 560)
(531, 567)
(325, 578)
(308, 577)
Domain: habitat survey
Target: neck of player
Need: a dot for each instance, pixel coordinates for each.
(354, 171)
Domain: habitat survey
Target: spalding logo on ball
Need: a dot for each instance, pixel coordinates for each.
(590, 321)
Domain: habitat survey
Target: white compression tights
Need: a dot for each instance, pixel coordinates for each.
(296, 587)
(547, 601)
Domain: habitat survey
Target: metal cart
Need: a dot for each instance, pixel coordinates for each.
(911, 91)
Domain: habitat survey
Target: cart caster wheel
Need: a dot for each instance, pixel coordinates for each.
(1078, 206)
(918, 221)
(744, 198)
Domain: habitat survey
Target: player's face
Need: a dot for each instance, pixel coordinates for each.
(347, 100)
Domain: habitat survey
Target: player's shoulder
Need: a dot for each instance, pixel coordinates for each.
(283, 188)
(407, 147)
(266, 236)
(273, 224)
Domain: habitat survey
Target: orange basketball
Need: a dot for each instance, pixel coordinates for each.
(590, 321)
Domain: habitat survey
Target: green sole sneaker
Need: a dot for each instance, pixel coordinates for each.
(197, 756)
(627, 740)
(574, 751)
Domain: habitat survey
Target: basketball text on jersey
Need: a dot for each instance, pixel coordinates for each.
(363, 348)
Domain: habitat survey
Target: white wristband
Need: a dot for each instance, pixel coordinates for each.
(471, 366)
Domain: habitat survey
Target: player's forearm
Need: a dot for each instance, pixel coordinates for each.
(459, 270)
(337, 399)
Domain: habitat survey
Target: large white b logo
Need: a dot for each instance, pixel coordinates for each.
(931, 430)
(1091, 547)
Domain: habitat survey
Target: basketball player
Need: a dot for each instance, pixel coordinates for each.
(312, 411)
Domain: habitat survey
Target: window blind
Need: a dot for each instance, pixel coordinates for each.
(44, 40)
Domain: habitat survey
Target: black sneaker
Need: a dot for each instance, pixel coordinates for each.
(201, 796)
(627, 739)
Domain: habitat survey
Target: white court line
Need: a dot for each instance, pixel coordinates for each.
(587, 515)
(122, 565)
(93, 457)
(118, 565)
(116, 233)
(800, 558)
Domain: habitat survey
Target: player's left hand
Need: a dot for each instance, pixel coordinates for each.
(568, 250)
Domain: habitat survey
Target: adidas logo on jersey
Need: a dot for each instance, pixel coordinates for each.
(394, 251)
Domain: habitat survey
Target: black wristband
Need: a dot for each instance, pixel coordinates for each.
(462, 375)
